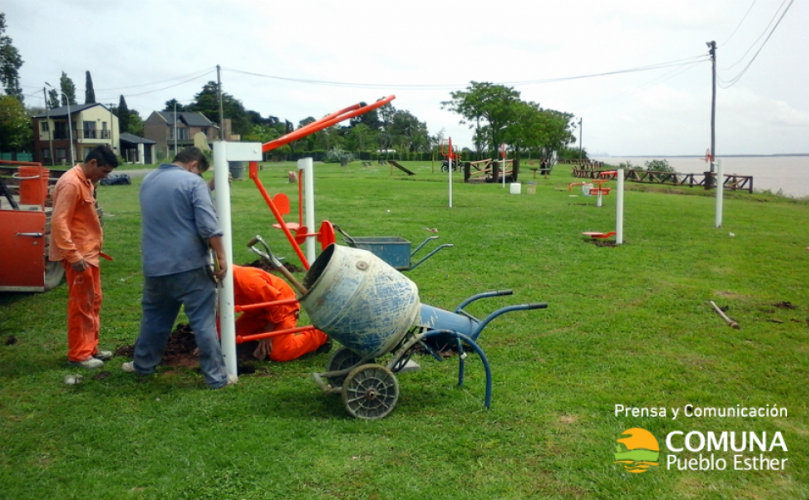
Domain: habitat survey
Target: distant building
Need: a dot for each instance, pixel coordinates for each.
(136, 149)
(163, 126)
(90, 125)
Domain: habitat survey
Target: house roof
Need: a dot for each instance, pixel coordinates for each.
(134, 139)
(190, 118)
(74, 108)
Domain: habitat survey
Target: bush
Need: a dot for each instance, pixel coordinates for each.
(659, 166)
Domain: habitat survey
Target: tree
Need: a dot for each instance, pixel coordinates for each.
(207, 103)
(361, 138)
(10, 63)
(407, 133)
(174, 104)
(15, 125)
(53, 98)
(68, 90)
(134, 123)
(488, 108)
(537, 129)
(89, 93)
(123, 115)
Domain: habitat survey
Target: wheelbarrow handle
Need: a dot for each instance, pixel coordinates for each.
(483, 295)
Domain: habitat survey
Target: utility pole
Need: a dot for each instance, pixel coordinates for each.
(50, 125)
(712, 52)
(221, 113)
(581, 155)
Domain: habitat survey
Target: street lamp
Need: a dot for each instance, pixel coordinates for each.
(69, 122)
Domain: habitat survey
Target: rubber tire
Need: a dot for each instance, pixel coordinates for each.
(54, 274)
(370, 392)
(342, 359)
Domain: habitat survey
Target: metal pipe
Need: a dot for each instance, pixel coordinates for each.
(619, 208)
(226, 302)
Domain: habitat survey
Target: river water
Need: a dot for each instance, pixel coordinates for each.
(786, 175)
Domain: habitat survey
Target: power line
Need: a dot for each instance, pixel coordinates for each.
(733, 81)
(447, 86)
(740, 23)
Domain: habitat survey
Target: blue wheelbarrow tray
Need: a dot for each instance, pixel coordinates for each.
(395, 251)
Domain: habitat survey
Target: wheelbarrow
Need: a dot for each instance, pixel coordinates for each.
(373, 311)
(391, 249)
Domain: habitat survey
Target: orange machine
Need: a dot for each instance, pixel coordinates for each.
(24, 265)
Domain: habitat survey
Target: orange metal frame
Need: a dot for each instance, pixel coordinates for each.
(316, 126)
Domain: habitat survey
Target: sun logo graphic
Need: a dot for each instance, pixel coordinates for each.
(637, 450)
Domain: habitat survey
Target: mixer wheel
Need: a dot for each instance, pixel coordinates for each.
(370, 391)
(342, 359)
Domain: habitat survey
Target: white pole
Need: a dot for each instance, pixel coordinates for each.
(619, 208)
(449, 171)
(720, 193)
(449, 174)
(307, 165)
(70, 131)
(226, 304)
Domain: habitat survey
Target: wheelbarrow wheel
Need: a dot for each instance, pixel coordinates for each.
(342, 359)
(370, 391)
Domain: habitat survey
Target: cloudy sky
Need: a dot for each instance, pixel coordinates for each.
(635, 72)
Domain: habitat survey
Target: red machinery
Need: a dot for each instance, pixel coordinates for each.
(24, 226)
(279, 205)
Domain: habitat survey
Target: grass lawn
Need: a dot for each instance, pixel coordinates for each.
(628, 325)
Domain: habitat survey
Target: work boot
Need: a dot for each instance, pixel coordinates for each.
(91, 363)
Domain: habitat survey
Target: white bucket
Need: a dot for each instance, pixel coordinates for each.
(514, 188)
(585, 189)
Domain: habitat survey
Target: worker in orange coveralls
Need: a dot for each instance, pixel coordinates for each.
(76, 238)
(252, 285)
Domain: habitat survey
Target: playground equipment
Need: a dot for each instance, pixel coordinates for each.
(395, 251)
(588, 189)
(450, 155)
(490, 171)
(373, 310)
(619, 208)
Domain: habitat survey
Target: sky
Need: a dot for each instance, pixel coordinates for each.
(636, 74)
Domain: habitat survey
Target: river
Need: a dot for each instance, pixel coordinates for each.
(786, 175)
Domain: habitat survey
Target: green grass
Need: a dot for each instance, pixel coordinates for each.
(625, 325)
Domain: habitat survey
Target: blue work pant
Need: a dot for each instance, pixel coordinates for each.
(162, 298)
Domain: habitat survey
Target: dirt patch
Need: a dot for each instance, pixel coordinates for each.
(785, 305)
(181, 350)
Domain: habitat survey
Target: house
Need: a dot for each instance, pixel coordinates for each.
(58, 141)
(136, 149)
(173, 131)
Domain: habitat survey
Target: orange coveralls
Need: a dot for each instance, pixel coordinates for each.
(252, 286)
(75, 235)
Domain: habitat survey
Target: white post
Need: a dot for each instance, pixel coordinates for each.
(619, 208)
(720, 193)
(227, 314)
(307, 165)
(223, 153)
(449, 174)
